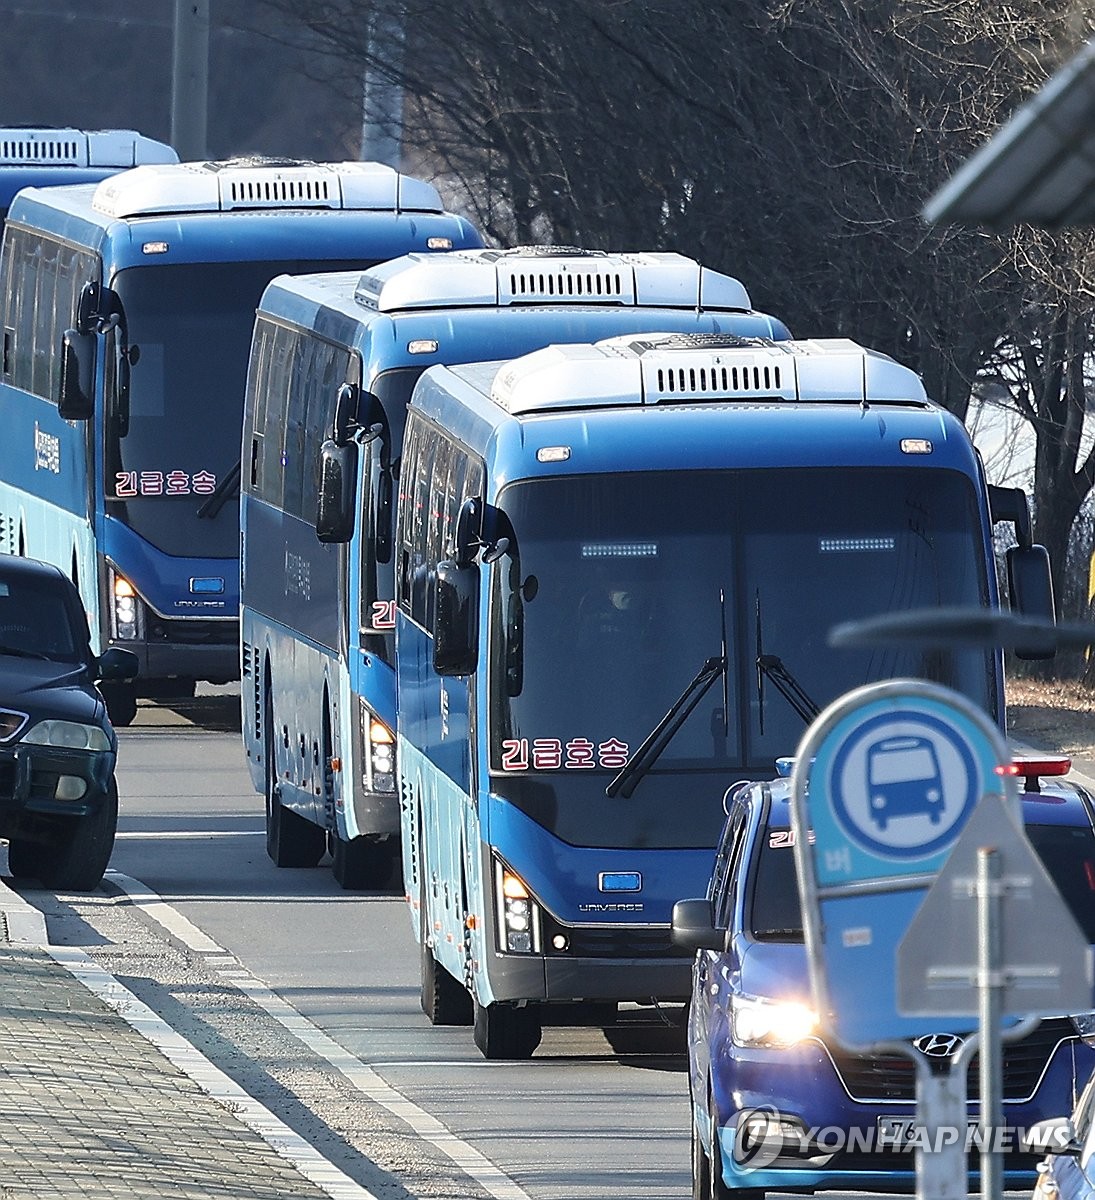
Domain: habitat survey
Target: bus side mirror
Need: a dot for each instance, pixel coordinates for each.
(456, 619)
(76, 401)
(1030, 588)
(345, 420)
(337, 492)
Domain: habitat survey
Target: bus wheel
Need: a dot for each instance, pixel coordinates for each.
(121, 702)
(291, 841)
(502, 1031)
(362, 864)
(77, 858)
(444, 1000)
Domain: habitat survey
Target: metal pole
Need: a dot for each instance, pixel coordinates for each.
(382, 94)
(190, 79)
(989, 985)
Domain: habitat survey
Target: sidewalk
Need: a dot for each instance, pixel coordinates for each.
(91, 1107)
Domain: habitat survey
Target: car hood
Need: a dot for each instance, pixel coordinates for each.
(50, 689)
(774, 970)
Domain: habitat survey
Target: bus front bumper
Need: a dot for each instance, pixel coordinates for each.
(558, 979)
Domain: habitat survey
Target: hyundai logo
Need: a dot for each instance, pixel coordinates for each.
(938, 1045)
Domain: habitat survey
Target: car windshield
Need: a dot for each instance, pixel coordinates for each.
(775, 914)
(189, 327)
(36, 621)
(615, 590)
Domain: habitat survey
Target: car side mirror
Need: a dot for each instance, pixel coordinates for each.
(693, 926)
(1055, 1135)
(75, 400)
(117, 663)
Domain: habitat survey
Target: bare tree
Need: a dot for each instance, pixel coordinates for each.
(790, 142)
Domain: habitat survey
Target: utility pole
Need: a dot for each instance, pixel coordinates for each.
(382, 94)
(190, 79)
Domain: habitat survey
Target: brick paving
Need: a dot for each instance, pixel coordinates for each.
(90, 1108)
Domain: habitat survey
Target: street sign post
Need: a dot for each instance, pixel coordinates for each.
(884, 782)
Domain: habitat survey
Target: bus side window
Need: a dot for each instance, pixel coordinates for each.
(277, 402)
(255, 410)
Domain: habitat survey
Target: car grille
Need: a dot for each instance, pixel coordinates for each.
(7, 777)
(889, 1077)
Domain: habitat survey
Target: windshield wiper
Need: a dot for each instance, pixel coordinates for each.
(778, 934)
(18, 652)
(770, 666)
(222, 493)
(662, 734)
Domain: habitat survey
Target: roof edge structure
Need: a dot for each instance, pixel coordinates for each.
(1038, 168)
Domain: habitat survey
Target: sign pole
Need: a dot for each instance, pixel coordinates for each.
(989, 989)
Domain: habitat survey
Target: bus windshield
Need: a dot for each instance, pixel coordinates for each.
(189, 327)
(617, 589)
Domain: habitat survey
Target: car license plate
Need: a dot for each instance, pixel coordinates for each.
(899, 1133)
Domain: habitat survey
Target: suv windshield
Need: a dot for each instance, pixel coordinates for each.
(189, 327)
(1067, 852)
(616, 590)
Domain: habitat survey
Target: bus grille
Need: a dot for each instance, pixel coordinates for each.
(890, 1077)
(191, 633)
(618, 941)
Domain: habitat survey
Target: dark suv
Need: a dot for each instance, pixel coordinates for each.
(58, 797)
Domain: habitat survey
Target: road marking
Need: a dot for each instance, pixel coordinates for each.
(188, 833)
(285, 1141)
(364, 1078)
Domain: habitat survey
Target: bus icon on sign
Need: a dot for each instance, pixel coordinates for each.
(904, 780)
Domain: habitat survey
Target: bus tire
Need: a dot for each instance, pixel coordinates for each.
(121, 702)
(503, 1031)
(361, 864)
(291, 841)
(76, 860)
(444, 999)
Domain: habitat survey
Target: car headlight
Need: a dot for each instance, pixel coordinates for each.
(70, 735)
(756, 1022)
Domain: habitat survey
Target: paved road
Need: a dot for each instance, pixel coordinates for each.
(307, 998)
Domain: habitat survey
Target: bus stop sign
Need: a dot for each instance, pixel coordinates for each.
(884, 782)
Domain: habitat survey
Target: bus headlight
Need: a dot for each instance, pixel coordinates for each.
(518, 913)
(378, 753)
(125, 614)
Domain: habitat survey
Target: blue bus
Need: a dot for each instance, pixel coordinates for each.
(127, 310)
(318, 612)
(42, 156)
(616, 567)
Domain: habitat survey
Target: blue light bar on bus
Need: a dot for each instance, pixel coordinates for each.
(209, 586)
(852, 545)
(620, 550)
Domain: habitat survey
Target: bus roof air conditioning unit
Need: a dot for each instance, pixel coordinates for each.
(26, 146)
(547, 275)
(689, 368)
(256, 183)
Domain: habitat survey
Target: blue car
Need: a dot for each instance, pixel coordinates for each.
(775, 1107)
